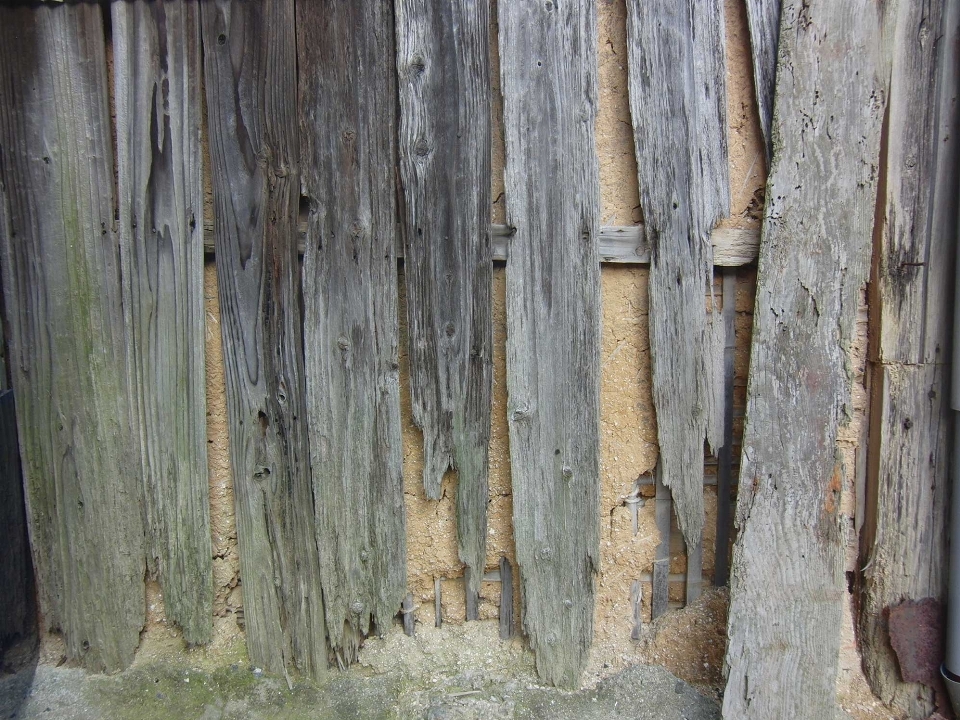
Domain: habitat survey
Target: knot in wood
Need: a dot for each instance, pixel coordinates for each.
(521, 413)
(551, 638)
(356, 229)
(567, 472)
(417, 65)
(421, 147)
(568, 603)
(349, 135)
(343, 343)
(356, 607)
(546, 553)
(450, 329)
(364, 556)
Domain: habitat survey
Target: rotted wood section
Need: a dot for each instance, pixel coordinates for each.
(158, 114)
(64, 311)
(443, 65)
(250, 62)
(904, 541)
(348, 116)
(548, 56)
(787, 584)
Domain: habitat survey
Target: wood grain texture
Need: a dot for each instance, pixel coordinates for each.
(787, 584)
(348, 116)
(17, 609)
(903, 545)
(250, 76)
(763, 18)
(721, 562)
(160, 186)
(61, 281)
(444, 77)
(676, 57)
(548, 71)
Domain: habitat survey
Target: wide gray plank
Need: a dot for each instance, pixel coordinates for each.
(549, 73)
(678, 104)
(61, 281)
(908, 478)
(348, 116)
(160, 184)
(250, 76)
(763, 17)
(444, 76)
(787, 584)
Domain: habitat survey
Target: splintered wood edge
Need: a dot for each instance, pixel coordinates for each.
(626, 245)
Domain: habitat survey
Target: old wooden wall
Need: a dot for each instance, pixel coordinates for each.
(359, 138)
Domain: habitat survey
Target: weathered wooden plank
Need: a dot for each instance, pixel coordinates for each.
(678, 102)
(61, 281)
(787, 584)
(694, 575)
(763, 18)
(906, 558)
(903, 545)
(250, 76)
(444, 76)
(663, 512)
(548, 69)
(732, 247)
(16, 578)
(348, 117)
(721, 561)
(160, 185)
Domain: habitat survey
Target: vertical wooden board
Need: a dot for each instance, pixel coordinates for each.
(663, 511)
(348, 116)
(548, 71)
(787, 583)
(920, 210)
(763, 17)
(250, 77)
(907, 559)
(160, 187)
(677, 100)
(16, 578)
(903, 543)
(61, 279)
(444, 79)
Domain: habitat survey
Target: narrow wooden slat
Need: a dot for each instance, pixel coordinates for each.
(694, 574)
(663, 511)
(16, 578)
(787, 583)
(443, 59)
(721, 561)
(636, 603)
(678, 103)
(348, 115)
(506, 599)
(903, 545)
(250, 77)
(409, 621)
(626, 244)
(61, 281)
(548, 57)
(160, 184)
(763, 18)
(437, 606)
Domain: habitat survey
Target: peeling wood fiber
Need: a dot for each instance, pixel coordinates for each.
(787, 585)
(678, 102)
(904, 542)
(160, 185)
(763, 16)
(61, 280)
(548, 73)
(250, 76)
(348, 116)
(444, 76)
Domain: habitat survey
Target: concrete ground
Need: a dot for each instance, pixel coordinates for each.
(468, 674)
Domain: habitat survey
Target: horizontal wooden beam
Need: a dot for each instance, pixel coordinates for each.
(621, 244)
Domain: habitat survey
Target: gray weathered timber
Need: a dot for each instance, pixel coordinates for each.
(907, 554)
(348, 120)
(904, 540)
(444, 76)
(61, 281)
(721, 561)
(250, 76)
(627, 244)
(16, 579)
(787, 583)
(663, 511)
(506, 599)
(763, 17)
(160, 187)
(676, 57)
(548, 72)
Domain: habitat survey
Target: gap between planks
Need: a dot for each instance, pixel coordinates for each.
(619, 244)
